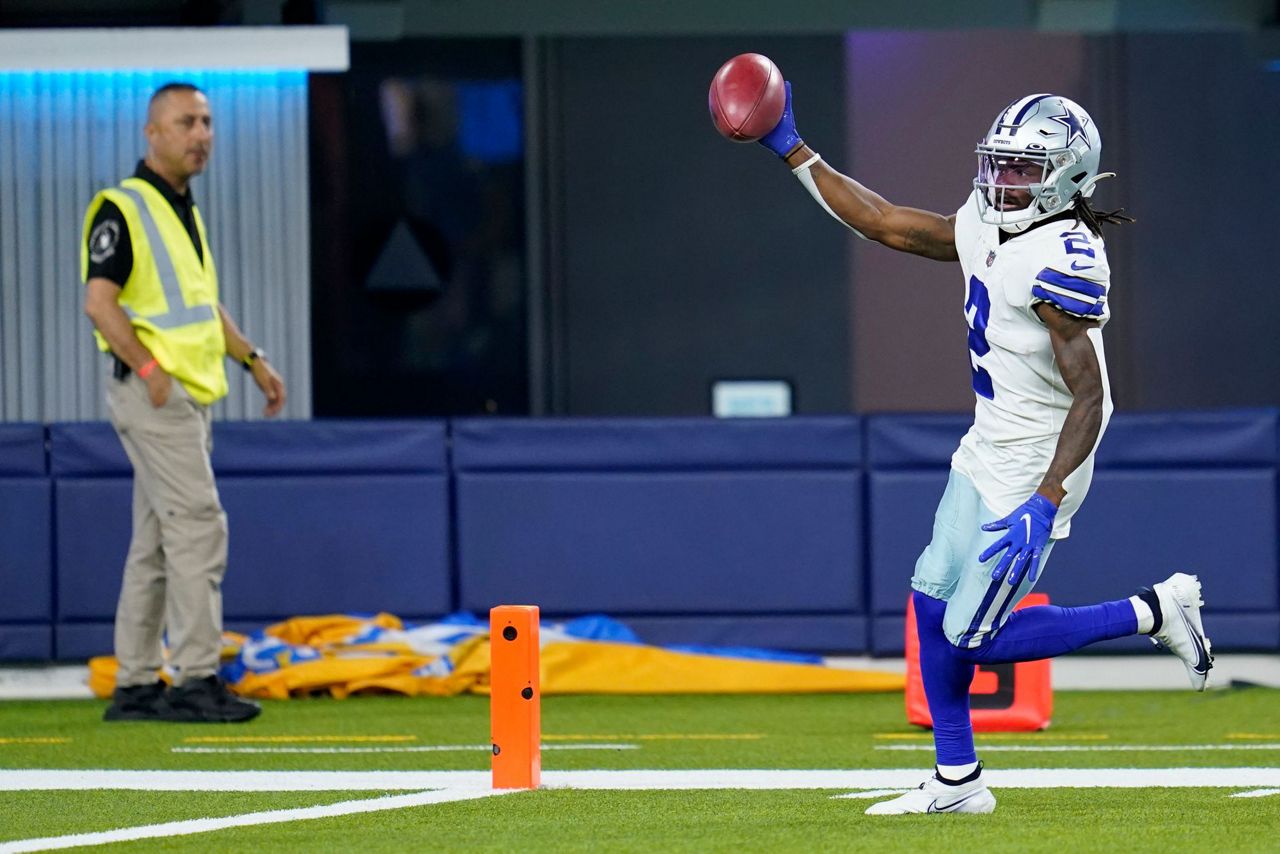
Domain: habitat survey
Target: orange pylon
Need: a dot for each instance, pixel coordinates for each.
(515, 697)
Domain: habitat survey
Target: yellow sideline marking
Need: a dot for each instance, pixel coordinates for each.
(1265, 736)
(996, 736)
(713, 736)
(35, 740)
(271, 739)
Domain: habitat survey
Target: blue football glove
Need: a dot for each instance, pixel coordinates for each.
(1028, 529)
(783, 139)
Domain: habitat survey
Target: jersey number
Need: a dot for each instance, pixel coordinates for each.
(977, 311)
(1077, 243)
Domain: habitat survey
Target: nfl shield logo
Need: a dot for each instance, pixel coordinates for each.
(991, 257)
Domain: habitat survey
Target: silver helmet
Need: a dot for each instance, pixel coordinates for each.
(1054, 143)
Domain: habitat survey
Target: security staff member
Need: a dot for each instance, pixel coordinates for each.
(152, 294)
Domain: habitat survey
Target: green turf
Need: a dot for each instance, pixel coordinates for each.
(818, 731)
(1109, 820)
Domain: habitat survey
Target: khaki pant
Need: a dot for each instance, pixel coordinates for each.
(178, 553)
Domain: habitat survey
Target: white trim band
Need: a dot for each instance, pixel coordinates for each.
(320, 48)
(805, 165)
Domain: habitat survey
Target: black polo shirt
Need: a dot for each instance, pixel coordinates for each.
(111, 251)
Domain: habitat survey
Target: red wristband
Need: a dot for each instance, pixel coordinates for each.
(145, 370)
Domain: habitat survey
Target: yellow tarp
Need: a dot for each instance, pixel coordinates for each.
(341, 655)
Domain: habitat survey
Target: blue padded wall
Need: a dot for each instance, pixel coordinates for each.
(26, 565)
(324, 517)
(683, 520)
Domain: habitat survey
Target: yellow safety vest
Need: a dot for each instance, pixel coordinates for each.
(171, 297)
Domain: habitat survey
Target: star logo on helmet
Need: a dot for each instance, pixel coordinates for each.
(1075, 127)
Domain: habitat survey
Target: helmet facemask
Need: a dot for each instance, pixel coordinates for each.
(1010, 186)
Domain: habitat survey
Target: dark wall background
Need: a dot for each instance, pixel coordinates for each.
(1201, 126)
(677, 256)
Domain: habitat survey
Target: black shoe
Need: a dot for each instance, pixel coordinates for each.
(138, 703)
(207, 700)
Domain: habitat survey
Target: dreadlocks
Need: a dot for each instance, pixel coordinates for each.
(1094, 219)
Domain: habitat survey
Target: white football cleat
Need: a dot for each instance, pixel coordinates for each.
(933, 795)
(1181, 631)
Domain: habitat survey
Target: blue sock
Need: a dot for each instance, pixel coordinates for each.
(1044, 631)
(947, 678)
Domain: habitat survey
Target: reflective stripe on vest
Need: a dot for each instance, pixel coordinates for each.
(179, 313)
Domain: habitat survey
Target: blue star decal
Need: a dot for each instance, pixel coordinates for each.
(1075, 127)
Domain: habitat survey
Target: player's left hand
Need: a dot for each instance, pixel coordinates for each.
(1028, 530)
(783, 139)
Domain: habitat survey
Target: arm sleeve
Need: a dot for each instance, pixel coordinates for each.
(110, 249)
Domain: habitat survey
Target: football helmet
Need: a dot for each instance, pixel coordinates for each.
(1041, 151)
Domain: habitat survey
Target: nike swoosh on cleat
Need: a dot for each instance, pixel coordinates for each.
(1202, 658)
(933, 807)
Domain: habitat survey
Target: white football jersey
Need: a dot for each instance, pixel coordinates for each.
(1022, 399)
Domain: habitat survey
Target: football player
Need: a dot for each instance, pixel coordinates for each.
(1034, 264)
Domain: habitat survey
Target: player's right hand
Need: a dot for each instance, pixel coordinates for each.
(783, 139)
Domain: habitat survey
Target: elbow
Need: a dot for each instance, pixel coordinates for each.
(94, 309)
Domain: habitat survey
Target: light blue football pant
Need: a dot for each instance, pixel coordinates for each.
(949, 568)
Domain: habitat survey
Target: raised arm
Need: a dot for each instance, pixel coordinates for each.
(919, 232)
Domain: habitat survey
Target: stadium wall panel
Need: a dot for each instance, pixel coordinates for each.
(683, 520)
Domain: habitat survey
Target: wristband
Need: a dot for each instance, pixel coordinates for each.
(145, 370)
(252, 356)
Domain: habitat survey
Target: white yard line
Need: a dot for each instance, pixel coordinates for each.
(1258, 793)
(861, 779)
(205, 825)
(1091, 748)
(416, 748)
